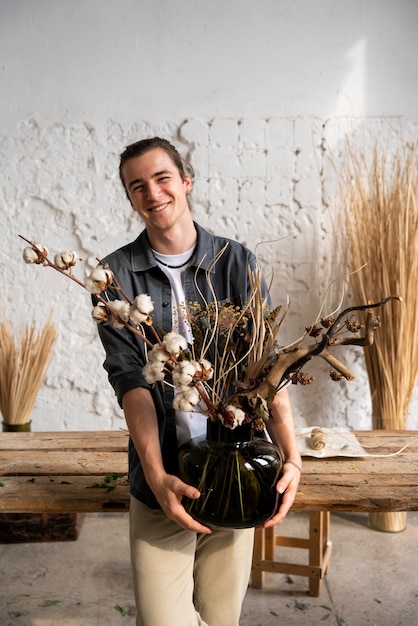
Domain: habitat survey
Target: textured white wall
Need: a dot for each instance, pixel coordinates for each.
(255, 95)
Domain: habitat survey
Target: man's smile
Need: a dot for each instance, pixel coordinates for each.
(160, 207)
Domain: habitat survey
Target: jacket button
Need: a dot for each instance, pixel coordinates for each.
(166, 304)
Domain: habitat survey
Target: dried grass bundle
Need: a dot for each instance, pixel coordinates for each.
(23, 364)
(380, 203)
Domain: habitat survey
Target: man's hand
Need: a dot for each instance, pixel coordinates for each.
(169, 491)
(286, 487)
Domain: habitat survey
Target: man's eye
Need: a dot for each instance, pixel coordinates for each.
(137, 188)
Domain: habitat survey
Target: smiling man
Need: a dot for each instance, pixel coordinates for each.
(158, 193)
(184, 573)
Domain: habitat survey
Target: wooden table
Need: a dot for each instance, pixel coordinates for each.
(60, 472)
(372, 483)
(64, 472)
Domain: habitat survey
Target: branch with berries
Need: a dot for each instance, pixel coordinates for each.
(289, 361)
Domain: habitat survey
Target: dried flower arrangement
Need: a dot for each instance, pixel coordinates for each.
(246, 365)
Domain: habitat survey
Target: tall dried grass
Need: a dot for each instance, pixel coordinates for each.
(23, 364)
(380, 229)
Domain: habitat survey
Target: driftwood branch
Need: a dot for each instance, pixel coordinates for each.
(290, 361)
(337, 365)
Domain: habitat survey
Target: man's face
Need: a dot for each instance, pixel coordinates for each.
(156, 190)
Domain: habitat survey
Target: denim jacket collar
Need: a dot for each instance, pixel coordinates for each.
(142, 258)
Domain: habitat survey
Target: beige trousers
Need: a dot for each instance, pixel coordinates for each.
(184, 579)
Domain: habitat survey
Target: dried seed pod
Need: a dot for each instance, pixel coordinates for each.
(313, 331)
(327, 322)
(318, 438)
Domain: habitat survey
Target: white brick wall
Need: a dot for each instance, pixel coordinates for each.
(256, 180)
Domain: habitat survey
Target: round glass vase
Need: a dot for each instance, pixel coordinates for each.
(236, 474)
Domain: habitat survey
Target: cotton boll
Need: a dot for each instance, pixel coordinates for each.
(205, 369)
(193, 395)
(158, 354)
(141, 308)
(174, 342)
(120, 310)
(30, 255)
(186, 400)
(144, 304)
(136, 316)
(100, 314)
(236, 414)
(153, 372)
(99, 279)
(182, 387)
(183, 373)
(43, 249)
(65, 260)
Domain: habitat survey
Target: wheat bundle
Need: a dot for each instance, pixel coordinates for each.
(380, 227)
(23, 364)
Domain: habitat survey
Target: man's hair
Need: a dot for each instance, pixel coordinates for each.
(145, 145)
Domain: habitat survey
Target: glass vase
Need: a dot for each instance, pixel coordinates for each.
(16, 428)
(236, 474)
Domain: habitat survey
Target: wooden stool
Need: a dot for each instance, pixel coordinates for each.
(318, 544)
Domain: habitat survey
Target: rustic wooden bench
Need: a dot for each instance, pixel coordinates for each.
(85, 472)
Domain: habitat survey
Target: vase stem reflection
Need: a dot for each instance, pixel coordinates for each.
(236, 474)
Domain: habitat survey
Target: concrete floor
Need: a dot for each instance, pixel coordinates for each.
(373, 579)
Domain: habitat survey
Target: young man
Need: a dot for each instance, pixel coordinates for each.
(184, 573)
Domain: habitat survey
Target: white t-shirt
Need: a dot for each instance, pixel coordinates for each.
(188, 424)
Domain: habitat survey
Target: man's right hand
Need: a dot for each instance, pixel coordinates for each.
(169, 491)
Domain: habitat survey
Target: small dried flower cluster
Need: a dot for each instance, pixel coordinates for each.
(302, 379)
(352, 325)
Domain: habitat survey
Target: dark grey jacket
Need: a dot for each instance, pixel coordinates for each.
(137, 272)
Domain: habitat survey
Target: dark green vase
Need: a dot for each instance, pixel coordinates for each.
(236, 474)
(16, 428)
